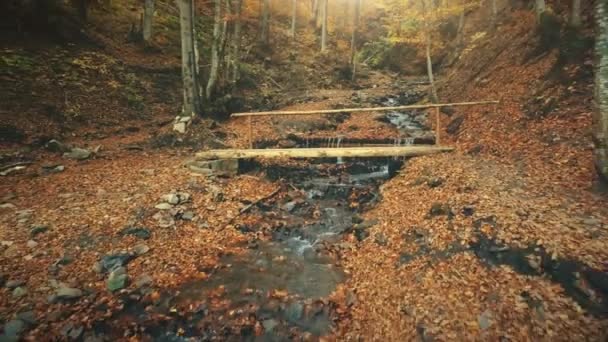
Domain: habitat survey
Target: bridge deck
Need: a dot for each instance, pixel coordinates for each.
(353, 152)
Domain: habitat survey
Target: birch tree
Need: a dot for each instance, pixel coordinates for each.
(353, 41)
(324, 27)
(575, 17)
(191, 89)
(294, 15)
(148, 20)
(215, 59)
(601, 87)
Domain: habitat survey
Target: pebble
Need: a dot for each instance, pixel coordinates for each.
(188, 216)
(32, 244)
(7, 206)
(163, 206)
(141, 249)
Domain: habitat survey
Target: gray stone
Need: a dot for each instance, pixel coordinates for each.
(163, 206)
(141, 249)
(180, 127)
(78, 154)
(7, 206)
(222, 167)
(32, 244)
(485, 320)
(38, 229)
(269, 324)
(117, 279)
(188, 216)
(57, 146)
(28, 317)
(171, 199)
(11, 284)
(19, 292)
(143, 280)
(66, 293)
(290, 206)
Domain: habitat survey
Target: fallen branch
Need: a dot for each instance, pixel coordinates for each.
(248, 207)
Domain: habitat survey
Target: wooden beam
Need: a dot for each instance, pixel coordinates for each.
(361, 152)
(371, 109)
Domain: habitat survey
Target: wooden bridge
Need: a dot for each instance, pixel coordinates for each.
(362, 152)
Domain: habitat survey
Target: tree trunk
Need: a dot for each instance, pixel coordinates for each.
(429, 61)
(191, 103)
(461, 22)
(237, 42)
(601, 88)
(294, 15)
(540, 7)
(148, 20)
(353, 41)
(315, 12)
(324, 28)
(226, 44)
(575, 19)
(494, 13)
(265, 22)
(215, 59)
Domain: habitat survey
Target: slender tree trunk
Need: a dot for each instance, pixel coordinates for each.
(353, 41)
(494, 13)
(294, 15)
(148, 20)
(324, 28)
(315, 12)
(575, 19)
(237, 42)
(429, 60)
(540, 7)
(461, 22)
(191, 99)
(215, 59)
(265, 22)
(601, 88)
(226, 45)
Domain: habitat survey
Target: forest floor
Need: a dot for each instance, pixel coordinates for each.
(503, 239)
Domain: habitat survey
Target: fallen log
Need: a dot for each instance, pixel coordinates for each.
(355, 152)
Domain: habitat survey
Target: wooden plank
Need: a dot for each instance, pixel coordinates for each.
(362, 152)
(371, 109)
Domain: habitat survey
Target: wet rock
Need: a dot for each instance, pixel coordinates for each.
(454, 126)
(294, 311)
(12, 330)
(56, 146)
(141, 249)
(19, 292)
(78, 154)
(117, 280)
(67, 293)
(38, 229)
(111, 262)
(139, 232)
